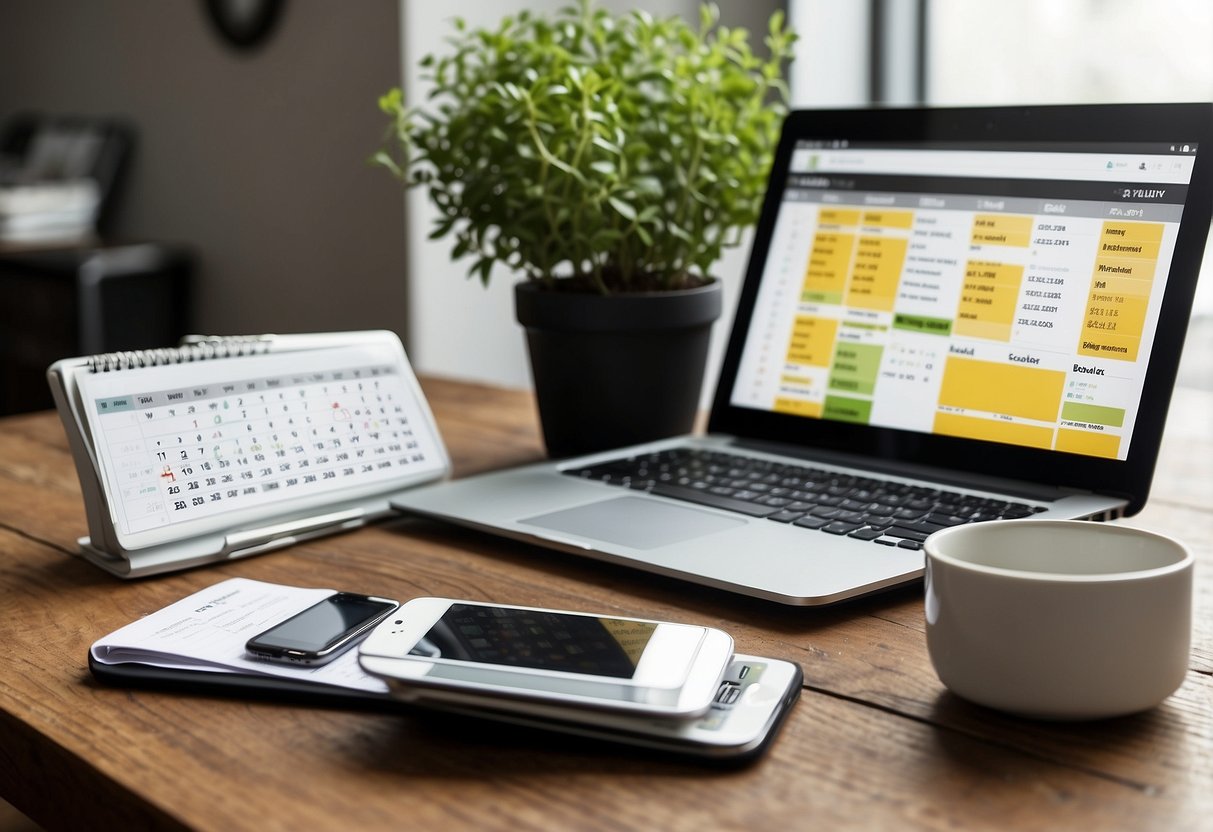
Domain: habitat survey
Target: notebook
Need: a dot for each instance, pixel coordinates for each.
(228, 447)
(949, 315)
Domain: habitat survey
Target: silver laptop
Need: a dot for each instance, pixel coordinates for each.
(949, 316)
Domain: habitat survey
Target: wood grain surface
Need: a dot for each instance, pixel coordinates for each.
(875, 742)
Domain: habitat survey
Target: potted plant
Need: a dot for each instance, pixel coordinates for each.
(608, 159)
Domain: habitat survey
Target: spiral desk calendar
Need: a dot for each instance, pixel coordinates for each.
(228, 447)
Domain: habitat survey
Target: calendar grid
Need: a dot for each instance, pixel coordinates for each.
(179, 454)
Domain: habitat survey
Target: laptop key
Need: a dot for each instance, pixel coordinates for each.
(811, 522)
(906, 534)
(920, 526)
(690, 495)
(945, 519)
(786, 516)
(866, 534)
(1015, 512)
(775, 502)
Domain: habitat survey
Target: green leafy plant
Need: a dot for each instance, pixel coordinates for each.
(594, 151)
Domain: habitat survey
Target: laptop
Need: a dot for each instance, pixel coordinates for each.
(949, 316)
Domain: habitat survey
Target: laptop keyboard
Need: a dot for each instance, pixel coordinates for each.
(884, 512)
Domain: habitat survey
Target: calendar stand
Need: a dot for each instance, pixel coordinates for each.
(230, 447)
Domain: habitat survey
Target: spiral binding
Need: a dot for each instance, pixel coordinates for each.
(202, 350)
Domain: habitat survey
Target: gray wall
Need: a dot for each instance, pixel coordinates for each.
(255, 160)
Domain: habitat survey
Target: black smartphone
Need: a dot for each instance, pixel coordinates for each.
(323, 631)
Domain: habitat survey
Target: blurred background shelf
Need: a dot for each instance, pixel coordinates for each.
(61, 302)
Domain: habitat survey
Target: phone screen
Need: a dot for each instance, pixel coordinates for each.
(324, 624)
(538, 640)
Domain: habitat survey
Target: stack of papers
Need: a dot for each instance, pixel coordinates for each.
(208, 630)
(48, 210)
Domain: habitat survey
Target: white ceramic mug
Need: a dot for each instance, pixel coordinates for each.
(1058, 619)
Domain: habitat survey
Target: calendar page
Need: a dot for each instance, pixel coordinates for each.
(221, 443)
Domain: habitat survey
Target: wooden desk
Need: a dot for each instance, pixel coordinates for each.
(875, 741)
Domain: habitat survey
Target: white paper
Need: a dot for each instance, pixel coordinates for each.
(208, 630)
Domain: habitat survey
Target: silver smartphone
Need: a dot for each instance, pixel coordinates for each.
(523, 657)
(323, 631)
(750, 705)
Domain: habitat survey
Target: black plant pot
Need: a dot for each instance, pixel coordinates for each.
(614, 370)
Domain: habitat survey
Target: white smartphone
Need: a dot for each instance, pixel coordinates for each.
(533, 655)
(749, 708)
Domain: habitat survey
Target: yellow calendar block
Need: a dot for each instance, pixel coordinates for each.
(1128, 248)
(1091, 443)
(1121, 314)
(1149, 231)
(993, 430)
(877, 272)
(1125, 269)
(888, 219)
(1108, 343)
(1002, 230)
(838, 216)
(1130, 240)
(1119, 298)
(1120, 287)
(1009, 389)
(812, 341)
(829, 261)
(988, 300)
(797, 407)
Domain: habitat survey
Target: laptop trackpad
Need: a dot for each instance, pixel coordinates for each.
(634, 522)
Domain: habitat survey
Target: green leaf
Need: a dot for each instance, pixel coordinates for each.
(602, 144)
(603, 167)
(625, 210)
(482, 267)
(647, 186)
(678, 232)
(441, 229)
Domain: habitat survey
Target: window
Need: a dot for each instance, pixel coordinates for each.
(1077, 51)
(1043, 51)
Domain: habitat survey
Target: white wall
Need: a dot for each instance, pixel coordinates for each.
(831, 66)
(456, 327)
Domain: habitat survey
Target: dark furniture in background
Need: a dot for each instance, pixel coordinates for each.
(62, 293)
(58, 303)
(93, 146)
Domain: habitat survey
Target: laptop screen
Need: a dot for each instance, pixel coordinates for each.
(1004, 290)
